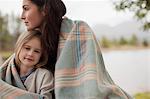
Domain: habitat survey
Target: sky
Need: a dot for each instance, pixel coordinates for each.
(91, 11)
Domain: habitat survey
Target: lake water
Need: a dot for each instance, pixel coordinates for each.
(129, 69)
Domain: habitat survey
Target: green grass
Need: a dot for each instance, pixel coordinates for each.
(145, 95)
(6, 54)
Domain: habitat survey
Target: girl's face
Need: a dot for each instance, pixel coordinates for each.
(31, 15)
(30, 53)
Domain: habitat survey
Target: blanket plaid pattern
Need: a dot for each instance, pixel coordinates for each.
(79, 72)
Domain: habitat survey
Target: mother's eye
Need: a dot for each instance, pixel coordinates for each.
(25, 8)
(37, 51)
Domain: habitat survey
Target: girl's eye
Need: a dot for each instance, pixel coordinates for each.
(27, 48)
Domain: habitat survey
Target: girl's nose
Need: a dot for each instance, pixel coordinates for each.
(30, 53)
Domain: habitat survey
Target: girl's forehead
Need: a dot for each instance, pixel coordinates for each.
(33, 41)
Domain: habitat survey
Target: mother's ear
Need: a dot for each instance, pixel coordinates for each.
(43, 11)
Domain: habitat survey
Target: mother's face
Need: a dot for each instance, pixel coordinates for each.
(31, 15)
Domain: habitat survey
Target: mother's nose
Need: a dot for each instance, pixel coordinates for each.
(22, 16)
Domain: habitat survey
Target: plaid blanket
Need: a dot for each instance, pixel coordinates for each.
(80, 70)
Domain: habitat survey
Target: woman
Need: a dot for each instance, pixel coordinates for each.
(79, 70)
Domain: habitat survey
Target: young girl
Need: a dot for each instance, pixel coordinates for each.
(24, 72)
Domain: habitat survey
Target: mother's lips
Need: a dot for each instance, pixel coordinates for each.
(26, 23)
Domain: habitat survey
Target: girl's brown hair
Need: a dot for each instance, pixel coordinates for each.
(24, 38)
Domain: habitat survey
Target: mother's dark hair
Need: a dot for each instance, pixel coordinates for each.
(54, 10)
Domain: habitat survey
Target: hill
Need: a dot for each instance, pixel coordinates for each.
(125, 29)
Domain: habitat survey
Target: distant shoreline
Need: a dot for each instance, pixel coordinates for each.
(124, 48)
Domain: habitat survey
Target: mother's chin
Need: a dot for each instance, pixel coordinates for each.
(32, 28)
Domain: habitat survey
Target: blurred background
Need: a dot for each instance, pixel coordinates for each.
(122, 28)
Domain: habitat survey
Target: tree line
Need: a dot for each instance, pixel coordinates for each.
(133, 41)
(10, 29)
